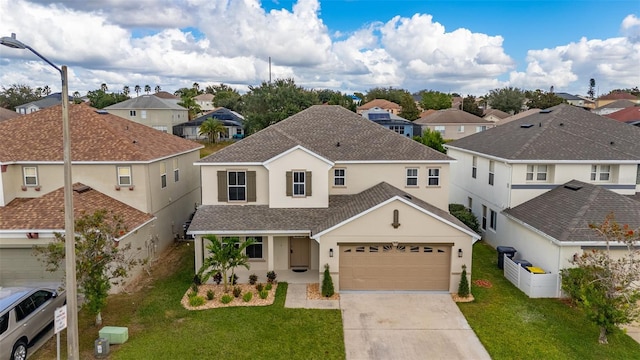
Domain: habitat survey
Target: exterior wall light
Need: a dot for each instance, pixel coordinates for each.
(330, 252)
(460, 253)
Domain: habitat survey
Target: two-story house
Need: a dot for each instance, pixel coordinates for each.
(523, 159)
(326, 186)
(152, 111)
(46, 102)
(144, 175)
(392, 122)
(384, 104)
(205, 101)
(453, 123)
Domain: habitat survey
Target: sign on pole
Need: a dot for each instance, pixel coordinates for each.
(60, 319)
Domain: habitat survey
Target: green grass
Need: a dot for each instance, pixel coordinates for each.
(512, 326)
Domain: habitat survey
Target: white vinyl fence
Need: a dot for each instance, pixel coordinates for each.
(534, 285)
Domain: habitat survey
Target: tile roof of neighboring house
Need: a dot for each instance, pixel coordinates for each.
(451, 116)
(626, 115)
(146, 102)
(315, 220)
(618, 104)
(562, 132)
(166, 95)
(46, 102)
(427, 113)
(94, 137)
(618, 96)
(6, 114)
(568, 96)
(204, 97)
(582, 204)
(497, 113)
(330, 131)
(381, 103)
(517, 116)
(47, 212)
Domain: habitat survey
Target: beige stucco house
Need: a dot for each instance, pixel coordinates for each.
(326, 186)
(151, 110)
(453, 124)
(384, 104)
(126, 167)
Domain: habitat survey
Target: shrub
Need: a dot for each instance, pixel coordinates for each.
(226, 298)
(210, 294)
(217, 278)
(271, 277)
(465, 215)
(196, 301)
(463, 287)
(263, 294)
(194, 288)
(456, 207)
(237, 291)
(191, 294)
(327, 283)
(259, 287)
(197, 280)
(233, 279)
(253, 278)
(247, 296)
(269, 286)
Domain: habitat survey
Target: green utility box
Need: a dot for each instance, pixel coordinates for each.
(114, 334)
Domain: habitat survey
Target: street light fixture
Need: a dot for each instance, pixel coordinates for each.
(69, 233)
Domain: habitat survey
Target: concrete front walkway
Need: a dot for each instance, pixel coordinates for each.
(297, 298)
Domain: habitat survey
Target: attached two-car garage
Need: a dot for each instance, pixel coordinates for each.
(393, 266)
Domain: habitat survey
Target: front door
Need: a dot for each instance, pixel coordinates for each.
(299, 252)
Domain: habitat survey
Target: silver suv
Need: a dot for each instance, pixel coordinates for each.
(25, 315)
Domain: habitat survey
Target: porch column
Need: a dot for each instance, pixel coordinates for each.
(270, 253)
(197, 242)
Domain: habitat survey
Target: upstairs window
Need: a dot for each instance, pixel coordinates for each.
(474, 167)
(537, 172)
(163, 174)
(30, 175)
(143, 114)
(460, 128)
(124, 176)
(298, 183)
(433, 177)
(440, 129)
(481, 128)
(412, 177)
(237, 185)
(132, 113)
(492, 169)
(398, 129)
(339, 177)
(176, 171)
(600, 172)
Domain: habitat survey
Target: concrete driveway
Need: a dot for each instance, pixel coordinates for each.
(406, 326)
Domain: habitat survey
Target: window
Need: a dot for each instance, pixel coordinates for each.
(492, 168)
(460, 128)
(470, 203)
(536, 172)
(339, 178)
(160, 128)
(124, 176)
(474, 167)
(143, 114)
(298, 183)
(484, 217)
(638, 175)
(412, 177)
(4, 322)
(440, 129)
(481, 128)
(30, 176)
(255, 251)
(132, 113)
(433, 177)
(163, 174)
(600, 172)
(494, 220)
(176, 171)
(398, 129)
(237, 185)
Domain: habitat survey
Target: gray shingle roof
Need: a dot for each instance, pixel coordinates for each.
(565, 212)
(145, 102)
(567, 96)
(618, 104)
(451, 116)
(330, 131)
(565, 133)
(46, 102)
(260, 218)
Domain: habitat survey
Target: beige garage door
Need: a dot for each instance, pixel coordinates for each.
(401, 267)
(20, 266)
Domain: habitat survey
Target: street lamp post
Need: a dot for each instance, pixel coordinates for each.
(69, 233)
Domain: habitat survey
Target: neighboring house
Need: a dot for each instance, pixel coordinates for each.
(6, 114)
(571, 99)
(120, 161)
(392, 122)
(231, 120)
(495, 115)
(454, 123)
(628, 115)
(326, 186)
(205, 101)
(168, 97)
(613, 107)
(151, 111)
(513, 163)
(554, 227)
(45, 102)
(386, 105)
(609, 98)
(517, 116)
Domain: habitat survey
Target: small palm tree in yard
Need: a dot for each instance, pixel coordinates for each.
(226, 254)
(212, 128)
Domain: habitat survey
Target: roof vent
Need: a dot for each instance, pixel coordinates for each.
(408, 196)
(338, 144)
(526, 126)
(102, 112)
(81, 188)
(561, 124)
(572, 187)
(612, 143)
(545, 111)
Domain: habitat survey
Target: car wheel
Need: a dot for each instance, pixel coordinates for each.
(19, 351)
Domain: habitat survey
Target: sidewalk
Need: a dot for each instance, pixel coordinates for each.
(297, 298)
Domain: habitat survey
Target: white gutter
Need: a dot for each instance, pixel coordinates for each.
(547, 161)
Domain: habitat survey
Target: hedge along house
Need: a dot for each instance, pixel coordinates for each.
(326, 186)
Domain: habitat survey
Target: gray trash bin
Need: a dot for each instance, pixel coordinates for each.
(504, 250)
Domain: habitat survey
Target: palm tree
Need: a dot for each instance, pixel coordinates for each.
(39, 92)
(46, 90)
(125, 90)
(137, 90)
(104, 87)
(147, 89)
(196, 87)
(158, 89)
(189, 103)
(76, 96)
(226, 254)
(212, 128)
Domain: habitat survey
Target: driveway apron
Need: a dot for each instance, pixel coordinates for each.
(406, 326)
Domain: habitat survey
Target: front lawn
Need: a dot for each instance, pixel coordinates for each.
(512, 326)
(160, 328)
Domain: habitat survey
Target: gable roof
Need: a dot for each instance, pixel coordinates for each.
(497, 113)
(47, 212)
(145, 102)
(618, 104)
(6, 114)
(47, 101)
(94, 137)
(263, 219)
(332, 132)
(562, 132)
(626, 115)
(166, 95)
(567, 96)
(451, 116)
(582, 204)
(618, 95)
(225, 116)
(204, 97)
(381, 103)
(517, 116)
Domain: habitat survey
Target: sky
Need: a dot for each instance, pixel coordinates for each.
(462, 46)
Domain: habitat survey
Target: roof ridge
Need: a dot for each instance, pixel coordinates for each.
(571, 226)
